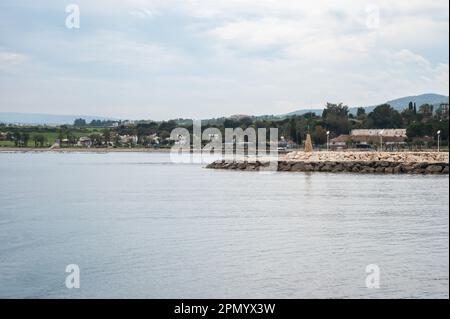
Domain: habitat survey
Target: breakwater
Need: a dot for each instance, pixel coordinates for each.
(401, 163)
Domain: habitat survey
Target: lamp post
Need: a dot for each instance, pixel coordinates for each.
(381, 140)
(328, 141)
(439, 140)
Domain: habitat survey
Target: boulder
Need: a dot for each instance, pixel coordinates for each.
(434, 169)
(385, 164)
(422, 165)
(367, 170)
(298, 167)
(356, 169)
(242, 165)
(284, 166)
(407, 167)
(348, 164)
(379, 170)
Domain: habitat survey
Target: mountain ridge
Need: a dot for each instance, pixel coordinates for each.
(46, 118)
(55, 119)
(398, 104)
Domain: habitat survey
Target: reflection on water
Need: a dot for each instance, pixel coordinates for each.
(139, 226)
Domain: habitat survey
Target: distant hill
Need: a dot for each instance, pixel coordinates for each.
(398, 104)
(402, 103)
(303, 112)
(48, 119)
(53, 119)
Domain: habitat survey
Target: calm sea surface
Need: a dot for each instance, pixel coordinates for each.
(141, 227)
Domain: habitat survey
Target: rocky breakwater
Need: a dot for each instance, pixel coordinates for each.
(354, 162)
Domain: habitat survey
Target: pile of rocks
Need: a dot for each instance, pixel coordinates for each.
(380, 167)
(398, 157)
(355, 162)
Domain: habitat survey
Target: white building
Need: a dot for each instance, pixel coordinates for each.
(84, 142)
(377, 132)
(128, 139)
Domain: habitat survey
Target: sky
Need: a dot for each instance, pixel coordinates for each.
(163, 59)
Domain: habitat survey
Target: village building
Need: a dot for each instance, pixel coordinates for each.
(368, 138)
(84, 142)
(128, 139)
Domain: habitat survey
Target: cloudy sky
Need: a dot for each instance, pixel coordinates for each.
(160, 59)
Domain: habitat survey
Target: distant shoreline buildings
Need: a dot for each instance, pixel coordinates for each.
(365, 138)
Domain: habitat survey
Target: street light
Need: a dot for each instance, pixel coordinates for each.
(381, 140)
(328, 141)
(439, 140)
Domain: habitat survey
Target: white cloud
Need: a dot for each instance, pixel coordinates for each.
(143, 13)
(117, 50)
(238, 56)
(259, 34)
(107, 50)
(9, 60)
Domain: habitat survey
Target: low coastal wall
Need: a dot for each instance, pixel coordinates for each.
(395, 163)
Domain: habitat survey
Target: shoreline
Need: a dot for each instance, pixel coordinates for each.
(82, 150)
(331, 162)
(283, 154)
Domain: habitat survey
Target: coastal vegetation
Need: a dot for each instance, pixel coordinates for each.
(421, 123)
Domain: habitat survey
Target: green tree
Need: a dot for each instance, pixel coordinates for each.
(335, 116)
(71, 138)
(39, 140)
(245, 122)
(415, 130)
(230, 123)
(25, 139)
(35, 139)
(426, 110)
(320, 135)
(17, 137)
(293, 130)
(360, 112)
(79, 122)
(384, 116)
(408, 117)
(107, 136)
(96, 139)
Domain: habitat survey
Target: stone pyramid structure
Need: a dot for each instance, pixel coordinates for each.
(308, 144)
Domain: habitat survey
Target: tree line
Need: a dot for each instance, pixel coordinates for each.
(419, 122)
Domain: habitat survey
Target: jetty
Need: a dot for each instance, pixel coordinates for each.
(349, 161)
